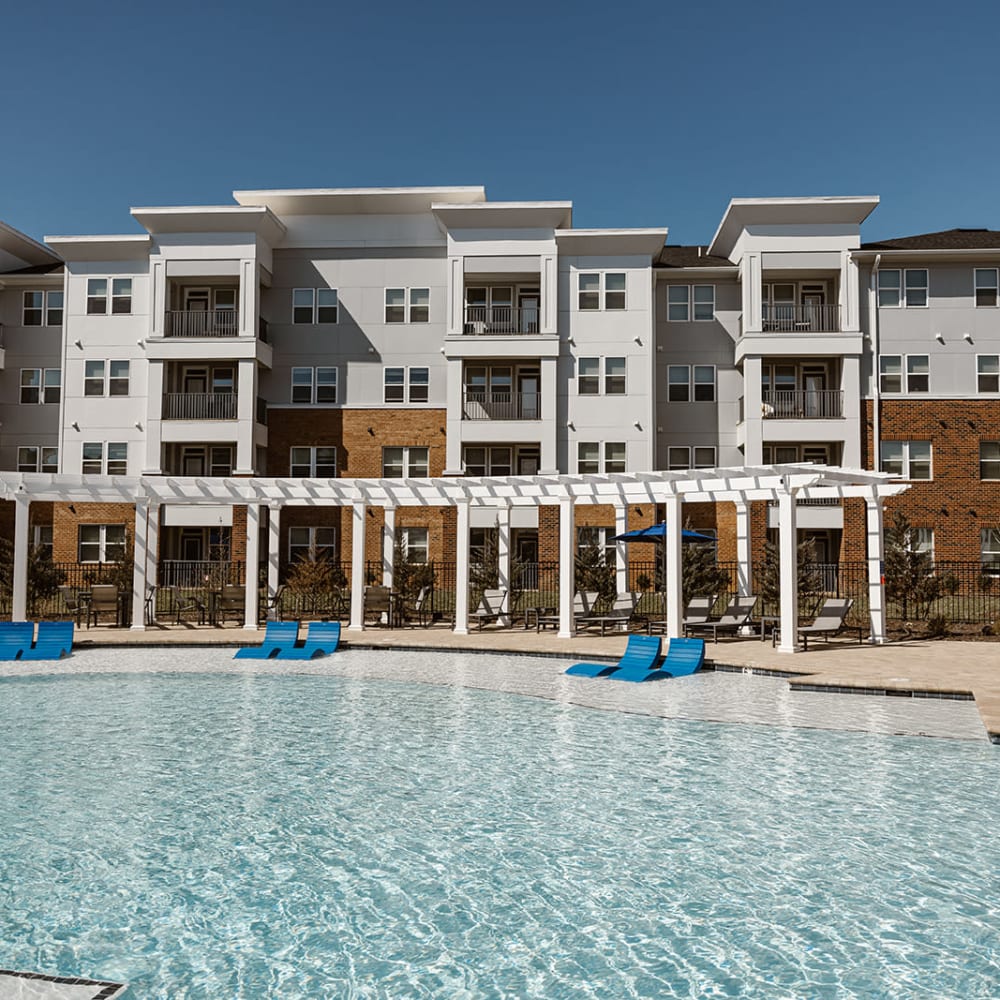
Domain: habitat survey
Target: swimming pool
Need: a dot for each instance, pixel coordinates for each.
(251, 835)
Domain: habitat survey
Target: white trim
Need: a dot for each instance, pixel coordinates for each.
(979, 374)
(995, 287)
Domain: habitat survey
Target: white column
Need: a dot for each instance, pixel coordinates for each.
(252, 562)
(462, 569)
(621, 548)
(744, 568)
(789, 566)
(567, 567)
(453, 438)
(154, 416)
(358, 514)
(389, 547)
(246, 413)
(853, 424)
(139, 566)
(19, 606)
(503, 558)
(273, 552)
(876, 588)
(548, 401)
(153, 552)
(673, 577)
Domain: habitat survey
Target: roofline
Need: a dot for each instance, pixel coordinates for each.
(869, 252)
(31, 244)
(325, 192)
(121, 238)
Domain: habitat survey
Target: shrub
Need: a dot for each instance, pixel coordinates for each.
(937, 627)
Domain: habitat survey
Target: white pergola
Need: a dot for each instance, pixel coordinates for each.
(781, 484)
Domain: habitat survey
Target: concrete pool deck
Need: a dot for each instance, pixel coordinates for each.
(941, 669)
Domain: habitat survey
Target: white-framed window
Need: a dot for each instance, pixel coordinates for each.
(598, 290)
(41, 385)
(101, 543)
(903, 288)
(490, 460)
(402, 462)
(100, 458)
(687, 383)
(414, 543)
(316, 462)
(988, 373)
(118, 378)
(989, 459)
(891, 367)
(106, 378)
(402, 385)
(43, 308)
(599, 538)
(220, 461)
(921, 540)
(986, 286)
(41, 539)
(314, 385)
(315, 305)
(917, 373)
(589, 380)
(614, 376)
(35, 458)
(407, 305)
(989, 547)
(890, 372)
(119, 300)
(687, 302)
(909, 459)
(681, 457)
(308, 544)
(595, 457)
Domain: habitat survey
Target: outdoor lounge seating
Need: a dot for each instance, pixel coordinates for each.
(322, 638)
(103, 601)
(733, 619)
(15, 638)
(55, 640)
(379, 605)
(491, 607)
(641, 653)
(684, 657)
(181, 602)
(71, 599)
(698, 610)
(418, 610)
(278, 636)
(830, 620)
(618, 616)
(231, 603)
(583, 605)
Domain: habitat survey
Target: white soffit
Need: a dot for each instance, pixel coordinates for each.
(611, 242)
(197, 515)
(23, 247)
(211, 219)
(358, 201)
(505, 215)
(128, 247)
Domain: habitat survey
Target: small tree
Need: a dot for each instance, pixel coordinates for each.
(312, 581)
(484, 573)
(700, 573)
(909, 572)
(44, 577)
(409, 577)
(594, 573)
(809, 582)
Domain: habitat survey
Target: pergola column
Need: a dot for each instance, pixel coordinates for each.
(358, 513)
(876, 554)
(462, 568)
(673, 565)
(503, 558)
(153, 553)
(567, 566)
(251, 592)
(389, 547)
(139, 559)
(744, 564)
(621, 548)
(789, 569)
(273, 553)
(19, 605)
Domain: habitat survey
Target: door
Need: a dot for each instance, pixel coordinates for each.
(196, 314)
(527, 462)
(814, 392)
(527, 387)
(529, 303)
(813, 302)
(192, 544)
(195, 380)
(193, 463)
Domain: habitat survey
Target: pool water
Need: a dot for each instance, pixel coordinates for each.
(217, 836)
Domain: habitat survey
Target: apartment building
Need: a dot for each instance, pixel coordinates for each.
(431, 332)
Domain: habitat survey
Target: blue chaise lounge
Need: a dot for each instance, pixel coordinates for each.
(15, 638)
(55, 640)
(641, 653)
(321, 640)
(684, 656)
(278, 636)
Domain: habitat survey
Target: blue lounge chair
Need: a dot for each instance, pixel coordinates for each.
(684, 656)
(278, 636)
(55, 640)
(15, 638)
(321, 640)
(641, 653)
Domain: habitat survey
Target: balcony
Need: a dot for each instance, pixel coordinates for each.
(802, 404)
(483, 405)
(199, 406)
(502, 321)
(202, 323)
(787, 317)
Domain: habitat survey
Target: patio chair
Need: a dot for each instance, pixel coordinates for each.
(55, 640)
(698, 611)
(583, 605)
(418, 609)
(619, 615)
(103, 601)
(149, 611)
(491, 607)
(272, 604)
(181, 602)
(733, 619)
(641, 653)
(278, 637)
(830, 620)
(71, 599)
(684, 656)
(322, 639)
(15, 639)
(231, 602)
(378, 604)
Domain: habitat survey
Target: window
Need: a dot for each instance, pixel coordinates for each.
(400, 463)
(94, 381)
(117, 378)
(93, 378)
(314, 385)
(93, 462)
(989, 459)
(414, 544)
(596, 287)
(599, 538)
(121, 296)
(311, 544)
(909, 459)
(915, 287)
(986, 286)
(120, 299)
(989, 545)
(315, 305)
(911, 292)
(988, 373)
(313, 463)
(614, 376)
(588, 376)
(691, 382)
(686, 302)
(917, 372)
(921, 540)
(40, 385)
(43, 309)
(400, 384)
(220, 461)
(681, 457)
(97, 296)
(35, 459)
(488, 461)
(590, 453)
(407, 305)
(890, 368)
(42, 539)
(101, 543)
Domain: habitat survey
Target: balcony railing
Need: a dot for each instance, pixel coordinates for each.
(802, 404)
(781, 317)
(199, 406)
(484, 321)
(501, 405)
(202, 323)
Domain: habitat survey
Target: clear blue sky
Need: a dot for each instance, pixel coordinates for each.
(642, 114)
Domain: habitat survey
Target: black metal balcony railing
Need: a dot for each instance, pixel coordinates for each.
(501, 405)
(500, 320)
(199, 406)
(202, 323)
(781, 317)
(802, 404)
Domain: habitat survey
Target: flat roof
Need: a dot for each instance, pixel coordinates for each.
(358, 201)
